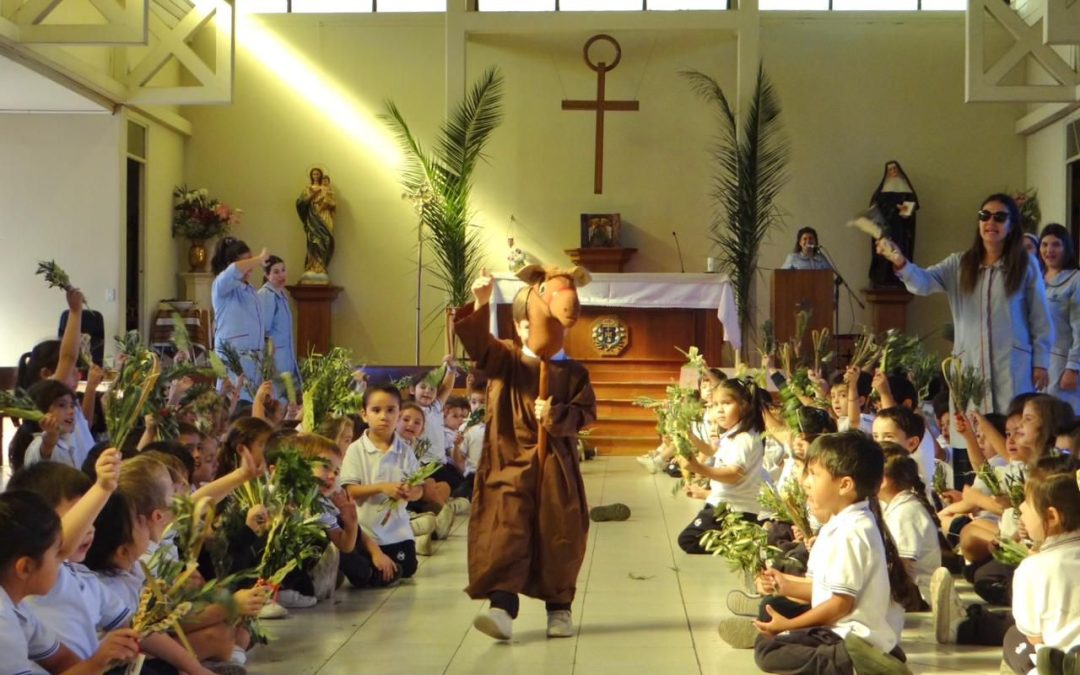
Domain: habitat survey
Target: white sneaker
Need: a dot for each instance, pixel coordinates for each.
(648, 462)
(460, 505)
(444, 522)
(423, 544)
(422, 524)
(239, 656)
(494, 622)
(273, 610)
(945, 604)
(295, 600)
(560, 624)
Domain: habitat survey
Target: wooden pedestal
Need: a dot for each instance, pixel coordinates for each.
(601, 259)
(888, 308)
(313, 317)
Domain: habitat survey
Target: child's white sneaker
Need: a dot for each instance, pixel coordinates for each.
(494, 622)
(273, 610)
(648, 462)
(423, 544)
(444, 522)
(422, 524)
(560, 624)
(945, 604)
(295, 600)
(460, 505)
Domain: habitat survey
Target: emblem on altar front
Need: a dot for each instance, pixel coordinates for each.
(610, 335)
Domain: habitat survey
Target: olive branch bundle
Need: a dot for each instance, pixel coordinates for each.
(328, 387)
(1009, 552)
(744, 545)
(789, 504)
(18, 405)
(56, 276)
(414, 480)
(965, 384)
(126, 401)
(989, 476)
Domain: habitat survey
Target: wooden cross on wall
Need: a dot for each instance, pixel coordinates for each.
(600, 105)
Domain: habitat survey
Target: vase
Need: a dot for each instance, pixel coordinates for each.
(196, 256)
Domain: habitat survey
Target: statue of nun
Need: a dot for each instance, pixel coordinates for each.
(896, 203)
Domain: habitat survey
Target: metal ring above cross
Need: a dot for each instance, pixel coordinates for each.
(603, 67)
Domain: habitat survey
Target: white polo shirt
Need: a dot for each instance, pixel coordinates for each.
(473, 446)
(866, 423)
(924, 457)
(848, 558)
(433, 431)
(366, 465)
(1046, 592)
(744, 450)
(915, 535)
(77, 607)
(23, 639)
(63, 453)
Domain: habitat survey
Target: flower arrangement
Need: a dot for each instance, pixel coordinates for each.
(1030, 213)
(198, 217)
(515, 257)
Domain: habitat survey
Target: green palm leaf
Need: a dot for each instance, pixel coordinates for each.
(441, 181)
(751, 169)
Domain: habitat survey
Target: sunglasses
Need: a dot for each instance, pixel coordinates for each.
(998, 216)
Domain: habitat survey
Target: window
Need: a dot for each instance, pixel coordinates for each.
(804, 5)
(599, 5)
(516, 5)
(686, 4)
(342, 6)
(410, 5)
(954, 5)
(330, 6)
(867, 5)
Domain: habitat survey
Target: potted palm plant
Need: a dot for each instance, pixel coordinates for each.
(439, 182)
(751, 169)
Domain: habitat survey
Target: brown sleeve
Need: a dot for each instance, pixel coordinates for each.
(473, 328)
(567, 419)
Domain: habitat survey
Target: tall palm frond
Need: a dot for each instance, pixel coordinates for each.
(441, 181)
(750, 172)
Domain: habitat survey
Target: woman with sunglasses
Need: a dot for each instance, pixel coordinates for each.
(998, 302)
(1063, 292)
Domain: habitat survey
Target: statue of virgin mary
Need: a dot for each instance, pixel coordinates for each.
(316, 206)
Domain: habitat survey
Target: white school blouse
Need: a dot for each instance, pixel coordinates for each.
(77, 607)
(744, 450)
(1046, 592)
(433, 431)
(915, 535)
(63, 453)
(23, 639)
(848, 558)
(366, 465)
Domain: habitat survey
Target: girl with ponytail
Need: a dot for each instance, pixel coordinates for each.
(911, 520)
(734, 466)
(855, 578)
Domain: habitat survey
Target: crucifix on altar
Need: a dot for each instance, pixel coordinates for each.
(600, 105)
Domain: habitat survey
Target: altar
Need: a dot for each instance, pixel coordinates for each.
(640, 317)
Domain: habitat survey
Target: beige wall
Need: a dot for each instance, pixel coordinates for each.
(60, 187)
(1046, 171)
(855, 93)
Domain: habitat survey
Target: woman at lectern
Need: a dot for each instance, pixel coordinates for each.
(807, 254)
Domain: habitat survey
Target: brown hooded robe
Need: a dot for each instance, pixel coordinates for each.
(525, 537)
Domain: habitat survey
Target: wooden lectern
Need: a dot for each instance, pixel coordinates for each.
(796, 290)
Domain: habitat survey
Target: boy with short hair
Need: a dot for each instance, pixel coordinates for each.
(907, 429)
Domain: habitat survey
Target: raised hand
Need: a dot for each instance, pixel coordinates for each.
(107, 468)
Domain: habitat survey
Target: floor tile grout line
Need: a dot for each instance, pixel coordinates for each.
(588, 576)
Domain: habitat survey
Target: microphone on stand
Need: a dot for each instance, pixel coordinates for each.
(682, 268)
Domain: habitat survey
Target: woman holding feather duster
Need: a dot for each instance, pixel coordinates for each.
(998, 302)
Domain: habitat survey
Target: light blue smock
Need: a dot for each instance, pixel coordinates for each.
(1063, 292)
(238, 319)
(1004, 337)
(797, 261)
(278, 322)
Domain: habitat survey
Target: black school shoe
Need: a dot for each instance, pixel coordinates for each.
(1050, 661)
(599, 514)
(1070, 665)
(673, 470)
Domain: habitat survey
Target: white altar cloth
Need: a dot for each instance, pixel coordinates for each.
(692, 291)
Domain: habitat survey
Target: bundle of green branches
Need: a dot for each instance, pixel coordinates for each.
(1009, 552)
(744, 545)
(416, 479)
(18, 405)
(56, 276)
(421, 446)
(923, 367)
(1014, 489)
(328, 387)
(477, 417)
(897, 351)
(966, 385)
(823, 356)
(940, 485)
(788, 505)
(990, 478)
(866, 351)
(159, 612)
(126, 401)
(802, 324)
(677, 415)
(769, 344)
(266, 366)
(402, 384)
(694, 359)
(207, 406)
(180, 337)
(229, 361)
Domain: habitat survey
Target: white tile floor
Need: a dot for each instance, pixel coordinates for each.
(643, 606)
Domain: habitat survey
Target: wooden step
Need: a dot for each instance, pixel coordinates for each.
(621, 445)
(626, 426)
(606, 390)
(622, 407)
(633, 371)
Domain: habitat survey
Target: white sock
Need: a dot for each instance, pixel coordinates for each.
(239, 656)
